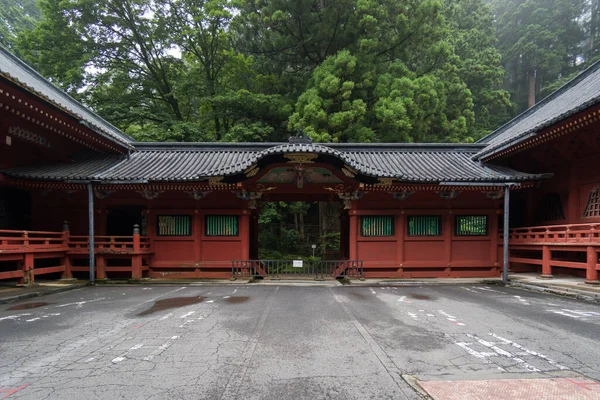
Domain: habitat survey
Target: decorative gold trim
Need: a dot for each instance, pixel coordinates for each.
(301, 158)
(252, 171)
(215, 180)
(348, 172)
(385, 182)
(262, 188)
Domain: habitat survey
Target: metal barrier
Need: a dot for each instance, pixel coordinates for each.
(281, 269)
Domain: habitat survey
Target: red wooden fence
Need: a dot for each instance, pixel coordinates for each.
(24, 247)
(564, 246)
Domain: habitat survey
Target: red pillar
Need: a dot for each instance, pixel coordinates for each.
(66, 261)
(591, 273)
(447, 224)
(254, 235)
(28, 275)
(100, 267)
(400, 231)
(546, 257)
(136, 259)
(197, 232)
(494, 234)
(245, 234)
(353, 235)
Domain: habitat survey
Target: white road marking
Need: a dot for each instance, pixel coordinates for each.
(9, 317)
(234, 291)
(583, 313)
(499, 351)
(124, 356)
(187, 314)
(80, 304)
(488, 289)
(210, 301)
(445, 314)
(531, 352)
(161, 348)
(403, 300)
(33, 319)
(522, 300)
(147, 288)
(451, 318)
(430, 315)
(226, 297)
(372, 291)
(165, 316)
(413, 315)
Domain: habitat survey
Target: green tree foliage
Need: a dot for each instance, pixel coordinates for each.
(16, 16)
(540, 42)
(379, 70)
(346, 71)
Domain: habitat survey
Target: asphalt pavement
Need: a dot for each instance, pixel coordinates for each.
(294, 342)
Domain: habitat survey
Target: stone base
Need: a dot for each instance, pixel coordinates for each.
(595, 283)
(546, 276)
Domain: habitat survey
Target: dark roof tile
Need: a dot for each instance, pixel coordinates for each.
(193, 162)
(578, 94)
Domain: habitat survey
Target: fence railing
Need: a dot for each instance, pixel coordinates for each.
(110, 244)
(22, 248)
(281, 269)
(573, 247)
(14, 240)
(562, 234)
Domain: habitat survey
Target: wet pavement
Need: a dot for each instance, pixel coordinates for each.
(281, 342)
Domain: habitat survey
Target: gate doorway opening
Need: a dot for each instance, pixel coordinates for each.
(302, 239)
(300, 230)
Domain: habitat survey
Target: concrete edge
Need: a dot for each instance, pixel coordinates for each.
(31, 295)
(571, 293)
(413, 382)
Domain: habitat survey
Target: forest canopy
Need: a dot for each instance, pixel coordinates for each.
(343, 70)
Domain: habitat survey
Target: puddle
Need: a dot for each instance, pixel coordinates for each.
(167, 304)
(419, 296)
(237, 299)
(28, 306)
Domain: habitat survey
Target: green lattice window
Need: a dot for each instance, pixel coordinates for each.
(174, 225)
(424, 225)
(377, 225)
(471, 225)
(222, 225)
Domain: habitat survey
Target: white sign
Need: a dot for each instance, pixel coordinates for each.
(297, 263)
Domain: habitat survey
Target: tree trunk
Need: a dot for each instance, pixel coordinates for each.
(301, 226)
(532, 82)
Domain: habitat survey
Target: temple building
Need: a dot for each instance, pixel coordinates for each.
(79, 197)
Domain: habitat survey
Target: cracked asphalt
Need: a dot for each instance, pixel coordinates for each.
(284, 342)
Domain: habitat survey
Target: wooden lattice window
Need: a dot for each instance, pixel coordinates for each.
(377, 225)
(174, 225)
(222, 225)
(471, 225)
(424, 225)
(550, 208)
(593, 205)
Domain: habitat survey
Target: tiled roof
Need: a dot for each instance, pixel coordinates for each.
(177, 162)
(578, 94)
(26, 77)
